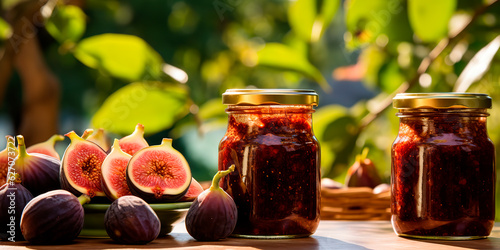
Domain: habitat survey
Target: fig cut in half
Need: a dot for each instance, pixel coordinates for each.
(47, 147)
(194, 190)
(100, 138)
(134, 142)
(114, 170)
(81, 167)
(159, 173)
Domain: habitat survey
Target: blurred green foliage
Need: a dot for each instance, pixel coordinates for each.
(133, 48)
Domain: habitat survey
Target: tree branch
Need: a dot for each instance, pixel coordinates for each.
(444, 44)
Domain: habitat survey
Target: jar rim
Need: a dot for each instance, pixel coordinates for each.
(270, 97)
(444, 100)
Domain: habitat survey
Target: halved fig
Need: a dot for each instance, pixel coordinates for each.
(113, 169)
(81, 167)
(194, 190)
(134, 142)
(100, 138)
(47, 147)
(159, 173)
(7, 156)
(39, 172)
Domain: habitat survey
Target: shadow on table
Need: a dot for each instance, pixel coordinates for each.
(184, 241)
(488, 243)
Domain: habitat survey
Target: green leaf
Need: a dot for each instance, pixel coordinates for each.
(66, 24)
(329, 122)
(390, 76)
(367, 19)
(326, 14)
(212, 109)
(5, 30)
(156, 105)
(429, 18)
(477, 66)
(301, 16)
(305, 20)
(283, 57)
(123, 56)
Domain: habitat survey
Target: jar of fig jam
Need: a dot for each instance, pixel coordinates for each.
(276, 182)
(443, 167)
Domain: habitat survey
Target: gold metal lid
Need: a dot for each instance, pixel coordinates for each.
(270, 97)
(441, 100)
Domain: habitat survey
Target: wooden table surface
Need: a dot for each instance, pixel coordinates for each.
(330, 235)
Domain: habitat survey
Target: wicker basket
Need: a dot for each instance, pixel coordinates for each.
(358, 203)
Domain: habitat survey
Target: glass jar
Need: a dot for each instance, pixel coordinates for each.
(276, 182)
(443, 167)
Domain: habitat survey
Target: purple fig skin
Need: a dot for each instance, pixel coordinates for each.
(55, 217)
(130, 220)
(213, 214)
(39, 172)
(362, 173)
(13, 199)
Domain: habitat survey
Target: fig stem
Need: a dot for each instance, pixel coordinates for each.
(55, 138)
(361, 157)
(84, 199)
(218, 176)
(166, 142)
(22, 147)
(87, 133)
(73, 136)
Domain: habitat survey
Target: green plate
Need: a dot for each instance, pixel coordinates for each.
(170, 214)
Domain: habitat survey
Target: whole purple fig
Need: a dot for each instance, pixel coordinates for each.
(213, 214)
(362, 173)
(39, 172)
(130, 220)
(13, 199)
(55, 217)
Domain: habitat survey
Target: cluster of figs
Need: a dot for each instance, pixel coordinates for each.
(41, 195)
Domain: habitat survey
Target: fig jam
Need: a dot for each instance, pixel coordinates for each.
(276, 182)
(443, 167)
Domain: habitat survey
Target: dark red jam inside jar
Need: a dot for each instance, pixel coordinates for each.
(276, 182)
(443, 167)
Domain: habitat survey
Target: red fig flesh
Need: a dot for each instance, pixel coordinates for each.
(213, 214)
(100, 138)
(130, 220)
(362, 173)
(194, 190)
(13, 199)
(114, 171)
(7, 156)
(81, 167)
(47, 147)
(39, 172)
(55, 217)
(134, 142)
(159, 173)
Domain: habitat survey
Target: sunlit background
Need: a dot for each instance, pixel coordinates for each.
(165, 64)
